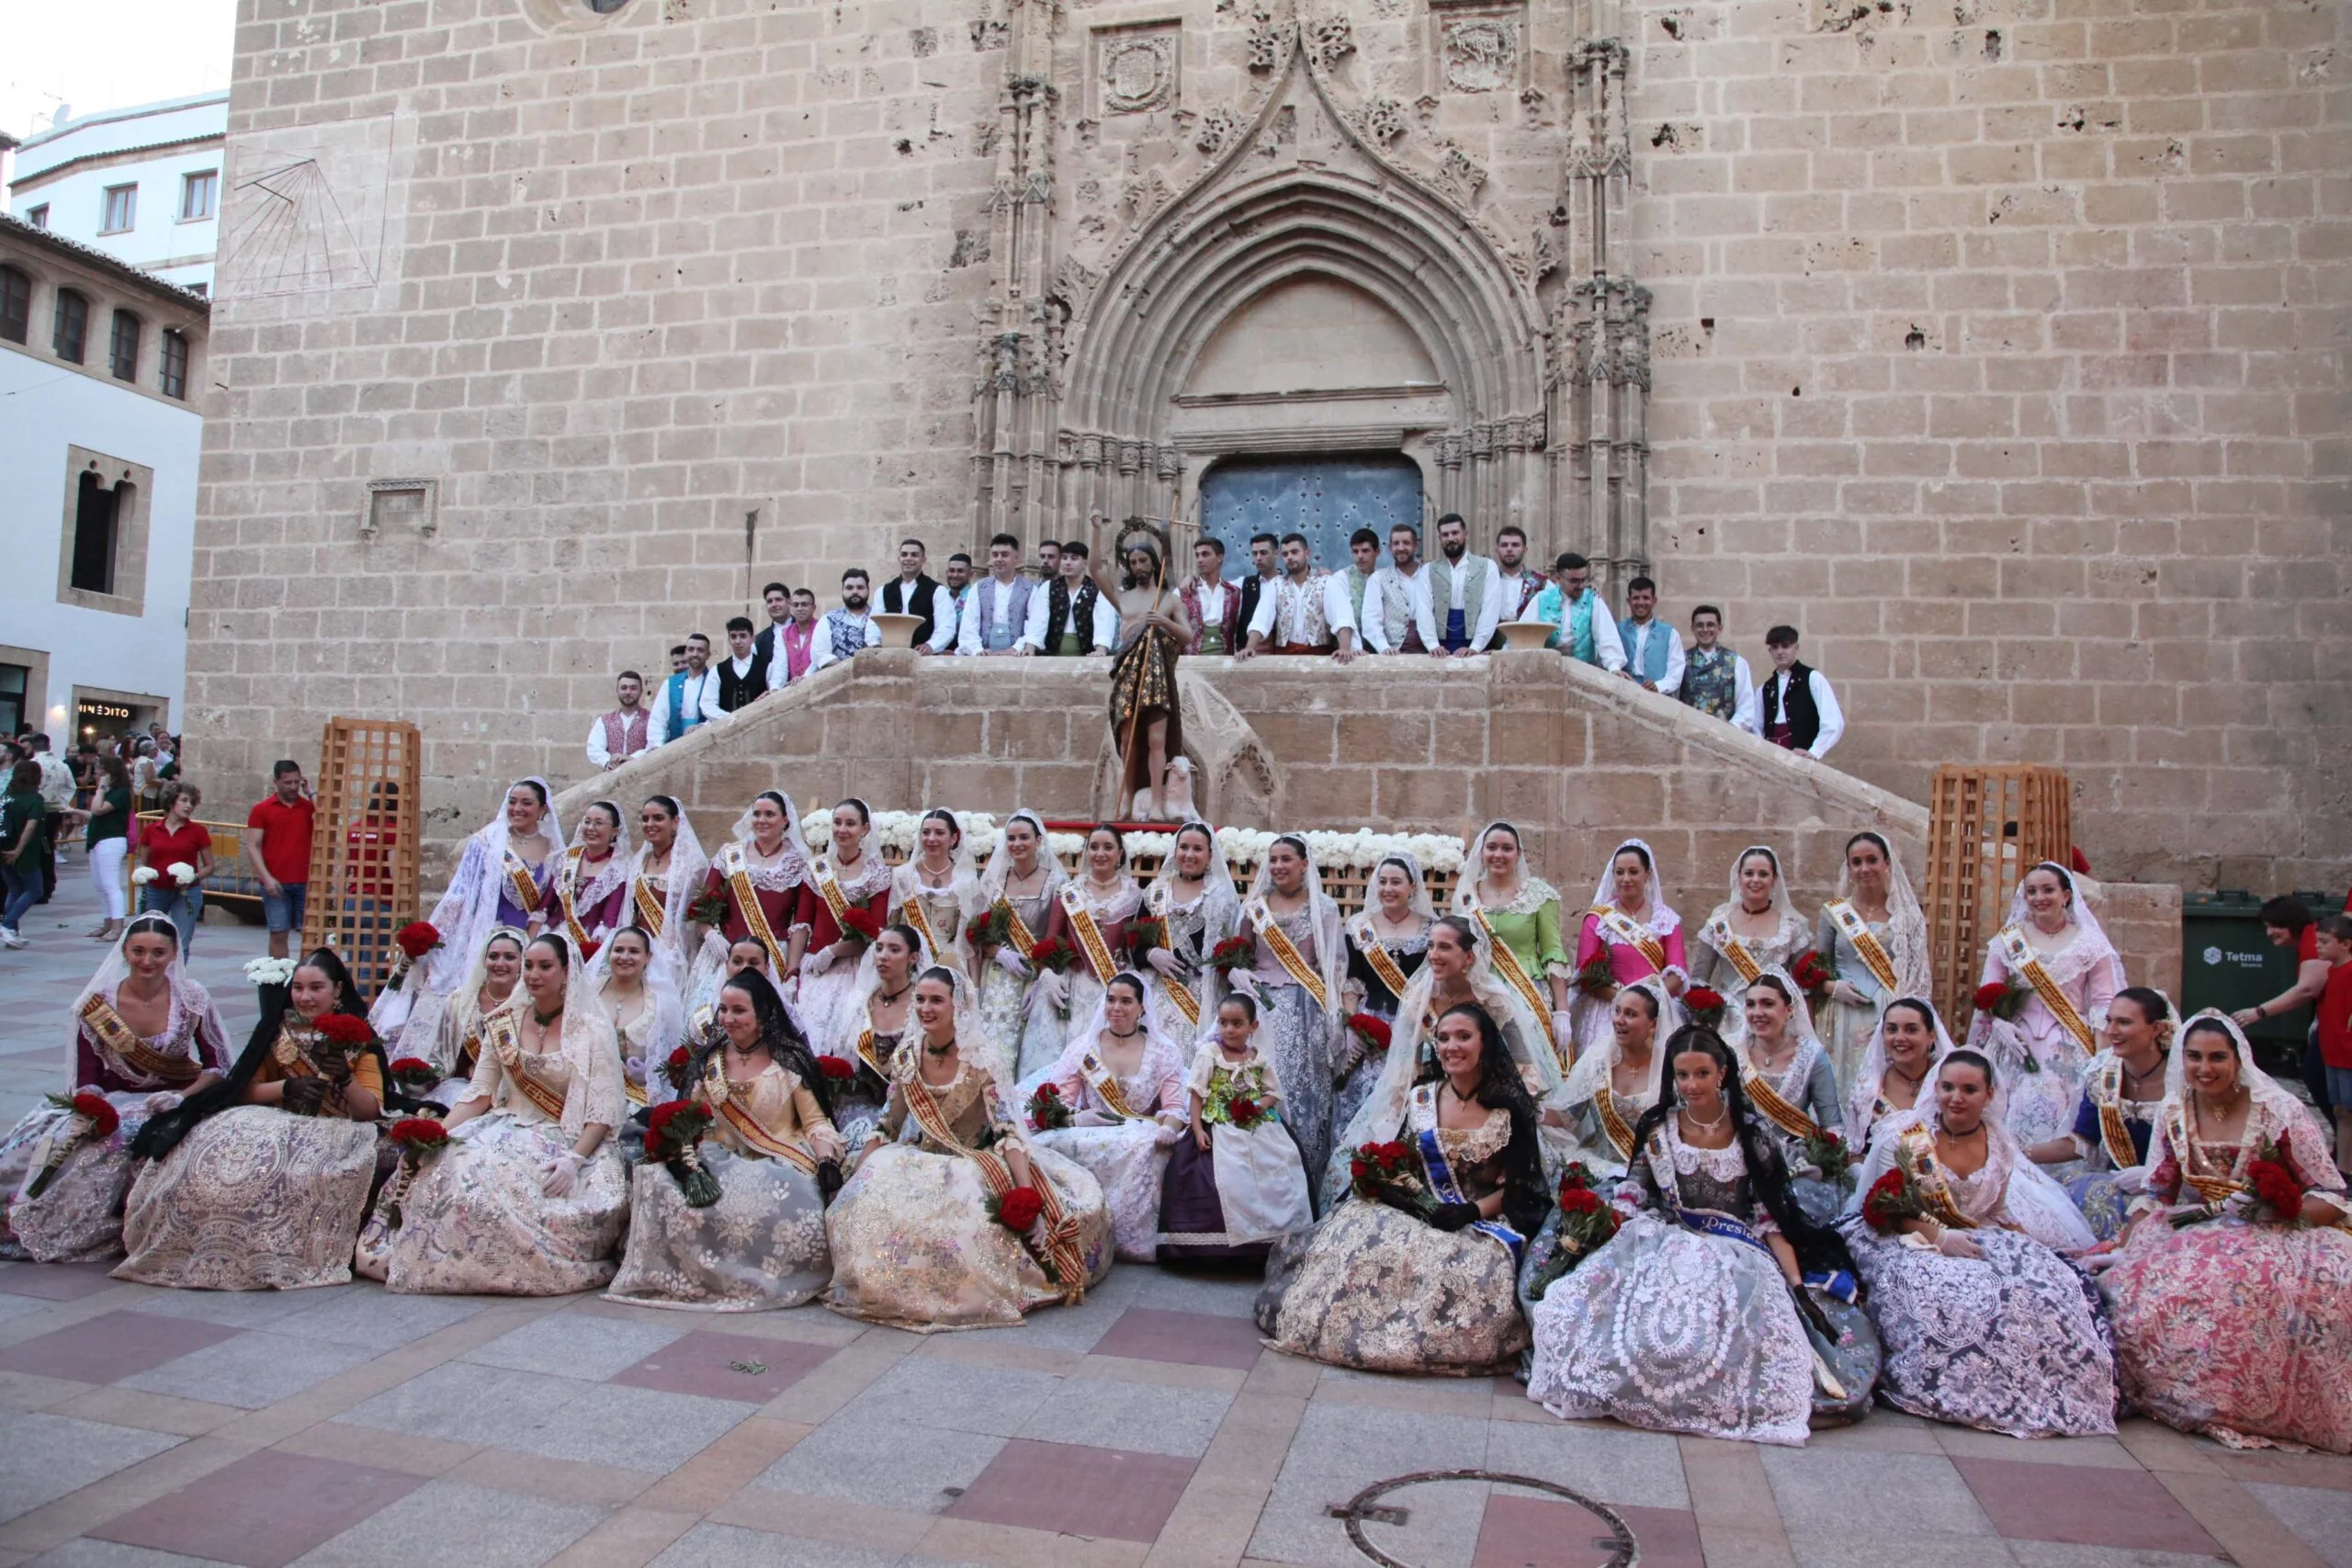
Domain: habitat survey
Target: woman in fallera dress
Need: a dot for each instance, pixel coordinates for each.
(1754, 929)
(849, 877)
(591, 887)
(864, 1036)
(1388, 940)
(1521, 911)
(1022, 886)
(1294, 977)
(2103, 1162)
(752, 890)
(1695, 1318)
(1614, 1082)
(923, 1235)
(1392, 1285)
(1787, 1080)
(1196, 904)
(665, 874)
(1096, 905)
(1234, 1182)
(1984, 1322)
(529, 1196)
(259, 1182)
(635, 980)
(2060, 972)
(1898, 1070)
(772, 1149)
(144, 1036)
(494, 985)
(1121, 1080)
(1631, 930)
(937, 891)
(2232, 1294)
(1874, 937)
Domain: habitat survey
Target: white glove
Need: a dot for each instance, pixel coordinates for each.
(819, 962)
(635, 1067)
(1164, 960)
(1011, 963)
(1957, 1244)
(563, 1174)
(1564, 1036)
(1057, 988)
(1090, 1117)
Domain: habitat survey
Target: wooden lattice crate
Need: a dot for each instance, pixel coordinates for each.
(364, 851)
(1986, 825)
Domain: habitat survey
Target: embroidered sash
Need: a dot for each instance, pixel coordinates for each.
(1934, 1188)
(747, 902)
(1062, 1232)
(1614, 921)
(1857, 932)
(1105, 1084)
(915, 915)
(1514, 973)
(1613, 1126)
(2215, 1190)
(118, 1040)
(1719, 935)
(1377, 958)
(865, 1054)
(1157, 901)
(1772, 1103)
(1286, 953)
(567, 895)
(2020, 955)
(719, 1094)
(828, 888)
(503, 1033)
(525, 885)
(1447, 1190)
(1088, 933)
(2114, 1129)
(1017, 931)
(651, 911)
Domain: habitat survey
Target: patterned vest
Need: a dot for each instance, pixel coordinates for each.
(625, 732)
(1710, 681)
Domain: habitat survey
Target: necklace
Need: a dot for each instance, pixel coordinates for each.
(1704, 1126)
(2135, 1075)
(937, 1052)
(546, 1019)
(1130, 1034)
(1908, 1078)
(889, 999)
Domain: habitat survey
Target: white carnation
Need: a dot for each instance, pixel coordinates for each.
(142, 877)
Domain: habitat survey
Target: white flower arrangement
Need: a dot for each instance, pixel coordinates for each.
(182, 874)
(1361, 849)
(142, 877)
(270, 971)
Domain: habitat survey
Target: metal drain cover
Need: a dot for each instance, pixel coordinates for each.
(1612, 1541)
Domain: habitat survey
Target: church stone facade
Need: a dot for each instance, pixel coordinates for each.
(2000, 344)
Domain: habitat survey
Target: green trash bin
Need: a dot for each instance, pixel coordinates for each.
(2227, 962)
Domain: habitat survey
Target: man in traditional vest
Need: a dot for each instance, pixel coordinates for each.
(1006, 617)
(1265, 554)
(629, 730)
(913, 592)
(1653, 648)
(1716, 680)
(848, 630)
(691, 697)
(776, 599)
(795, 645)
(1212, 605)
(1363, 559)
(1397, 615)
(1588, 632)
(1795, 708)
(1519, 582)
(743, 673)
(1306, 611)
(1464, 592)
(1078, 620)
(947, 605)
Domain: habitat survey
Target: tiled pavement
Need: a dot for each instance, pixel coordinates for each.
(142, 1428)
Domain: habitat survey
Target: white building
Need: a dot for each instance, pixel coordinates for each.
(142, 184)
(102, 373)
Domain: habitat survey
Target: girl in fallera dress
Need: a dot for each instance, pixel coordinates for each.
(1234, 1183)
(1786, 1079)
(2061, 972)
(1695, 1316)
(1630, 931)
(875, 1019)
(937, 891)
(1875, 938)
(2103, 1161)
(2230, 1295)
(1297, 958)
(145, 1037)
(925, 1236)
(530, 1194)
(258, 1181)
(1194, 899)
(1121, 1080)
(848, 879)
(1522, 912)
(1614, 1082)
(1023, 881)
(1388, 941)
(635, 980)
(1096, 905)
(772, 1149)
(494, 985)
(753, 890)
(665, 874)
(1754, 929)
(1898, 1070)
(1426, 1282)
(591, 885)
(1982, 1322)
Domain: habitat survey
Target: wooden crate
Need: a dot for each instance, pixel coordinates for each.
(1986, 825)
(364, 847)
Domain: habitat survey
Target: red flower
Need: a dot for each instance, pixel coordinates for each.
(2277, 1187)
(1809, 973)
(1990, 995)
(860, 925)
(836, 1067)
(674, 1127)
(99, 1113)
(411, 1067)
(1373, 1032)
(1234, 952)
(2079, 861)
(1700, 999)
(1244, 1113)
(1891, 1201)
(1580, 1201)
(1051, 953)
(341, 1028)
(1018, 1209)
(419, 1132)
(417, 938)
(680, 1056)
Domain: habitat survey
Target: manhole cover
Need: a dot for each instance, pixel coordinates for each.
(1599, 1538)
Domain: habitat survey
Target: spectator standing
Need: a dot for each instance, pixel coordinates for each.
(629, 730)
(1363, 559)
(947, 617)
(913, 592)
(1795, 709)
(1519, 582)
(1049, 560)
(277, 851)
(692, 696)
(1465, 593)
(848, 630)
(23, 816)
(798, 641)
(1716, 681)
(743, 675)
(57, 796)
(2287, 923)
(177, 855)
(1397, 618)
(777, 601)
(2334, 944)
(1212, 605)
(1653, 648)
(1078, 620)
(106, 840)
(1588, 632)
(1006, 617)
(1264, 553)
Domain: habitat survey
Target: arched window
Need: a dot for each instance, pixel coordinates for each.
(15, 304)
(172, 370)
(72, 326)
(122, 348)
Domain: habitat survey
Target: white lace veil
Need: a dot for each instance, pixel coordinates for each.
(1330, 948)
(211, 1047)
(2079, 912)
(795, 860)
(623, 854)
(465, 915)
(1906, 925)
(963, 876)
(1216, 882)
(1800, 1025)
(688, 864)
(1782, 908)
(841, 1032)
(1474, 867)
(1862, 1095)
(1595, 1069)
(1000, 865)
(595, 1093)
(2280, 1107)
(1662, 917)
(967, 1025)
(664, 988)
(1164, 1054)
(464, 1003)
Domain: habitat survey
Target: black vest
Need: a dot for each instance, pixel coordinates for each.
(1804, 716)
(897, 601)
(1252, 586)
(1066, 611)
(738, 692)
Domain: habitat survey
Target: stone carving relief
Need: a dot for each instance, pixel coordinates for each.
(1331, 39)
(1217, 127)
(1134, 68)
(1481, 52)
(1384, 119)
(1268, 42)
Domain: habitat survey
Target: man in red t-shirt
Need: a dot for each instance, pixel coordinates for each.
(277, 851)
(2333, 942)
(2287, 922)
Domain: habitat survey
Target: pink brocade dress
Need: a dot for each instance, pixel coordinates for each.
(1590, 1014)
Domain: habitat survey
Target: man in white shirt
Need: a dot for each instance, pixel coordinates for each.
(746, 674)
(1212, 605)
(1006, 615)
(1396, 613)
(1716, 680)
(57, 796)
(777, 601)
(1465, 595)
(692, 696)
(1519, 581)
(629, 730)
(1078, 618)
(1588, 632)
(1302, 612)
(850, 629)
(947, 605)
(1795, 708)
(1653, 648)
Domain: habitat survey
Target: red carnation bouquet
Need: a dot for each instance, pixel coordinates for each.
(1143, 933)
(1587, 1223)
(91, 1119)
(2273, 1195)
(1046, 1108)
(1828, 1152)
(1234, 952)
(419, 1138)
(1596, 978)
(1242, 1113)
(416, 939)
(1052, 955)
(675, 1068)
(991, 928)
(1387, 1173)
(1814, 975)
(1373, 1032)
(861, 926)
(2002, 999)
(414, 1074)
(709, 908)
(1017, 1209)
(348, 1034)
(837, 1069)
(1892, 1199)
(673, 1134)
(1705, 1006)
